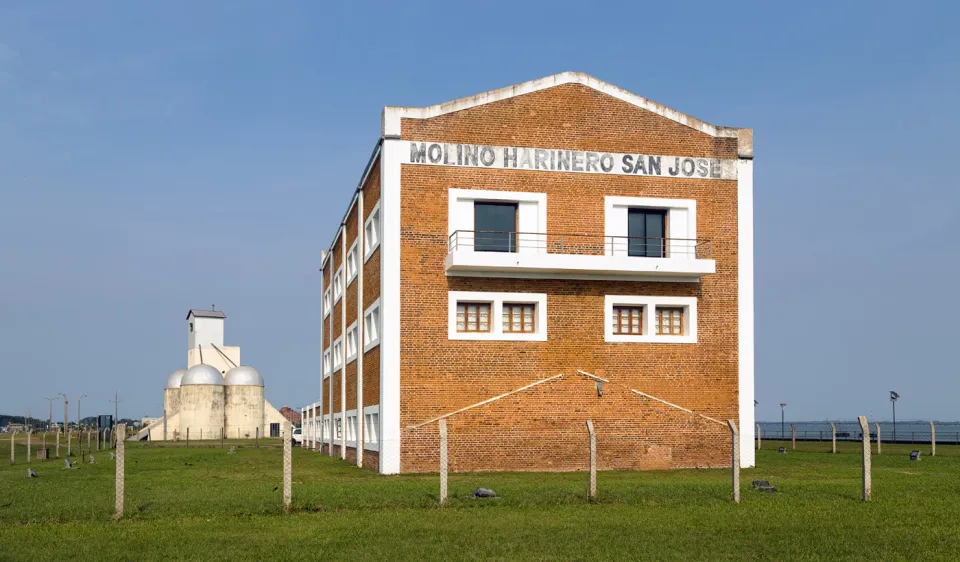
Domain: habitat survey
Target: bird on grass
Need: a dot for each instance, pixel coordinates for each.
(31, 473)
(112, 456)
(232, 450)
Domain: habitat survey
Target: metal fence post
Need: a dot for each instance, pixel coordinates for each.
(865, 447)
(593, 461)
(287, 466)
(833, 430)
(118, 502)
(735, 459)
(878, 437)
(443, 461)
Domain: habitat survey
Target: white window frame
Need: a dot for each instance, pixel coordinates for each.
(371, 428)
(372, 230)
(650, 304)
(496, 301)
(352, 263)
(327, 303)
(338, 353)
(351, 350)
(531, 217)
(338, 285)
(371, 320)
(681, 224)
(327, 358)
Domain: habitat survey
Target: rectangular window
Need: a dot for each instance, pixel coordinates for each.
(326, 362)
(645, 232)
(275, 430)
(352, 264)
(352, 343)
(338, 353)
(518, 318)
(495, 227)
(338, 284)
(327, 302)
(371, 233)
(370, 427)
(473, 317)
(669, 321)
(371, 327)
(628, 320)
(339, 428)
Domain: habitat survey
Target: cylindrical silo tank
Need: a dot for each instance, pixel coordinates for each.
(171, 394)
(201, 402)
(244, 402)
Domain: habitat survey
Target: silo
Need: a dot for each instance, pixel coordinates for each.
(171, 394)
(201, 402)
(244, 402)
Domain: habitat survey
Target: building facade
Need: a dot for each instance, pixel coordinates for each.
(524, 260)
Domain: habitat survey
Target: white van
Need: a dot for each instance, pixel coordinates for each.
(297, 436)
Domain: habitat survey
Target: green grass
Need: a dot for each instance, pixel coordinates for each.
(201, 503)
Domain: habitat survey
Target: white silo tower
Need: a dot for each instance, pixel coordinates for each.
(201, 402)
(171, 393)
(244, 402)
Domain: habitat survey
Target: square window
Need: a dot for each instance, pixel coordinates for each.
(669, 321)
(518, 318)
(473, 317)
(628, 320)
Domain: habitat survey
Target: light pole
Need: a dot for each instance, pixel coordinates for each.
(50, 423)
(782, 406)
(893, 401)
(66, 421)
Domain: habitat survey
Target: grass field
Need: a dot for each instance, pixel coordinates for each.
(202, 503)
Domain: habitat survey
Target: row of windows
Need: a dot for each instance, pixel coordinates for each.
(333, 358)
(523, 317)
(371, 241)
(371, 428)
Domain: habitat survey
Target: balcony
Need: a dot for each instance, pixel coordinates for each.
(578, 256)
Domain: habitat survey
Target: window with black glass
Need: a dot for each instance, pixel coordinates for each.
(645, 231)
(495, 227)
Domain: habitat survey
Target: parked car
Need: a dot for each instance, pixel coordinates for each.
(297, 436)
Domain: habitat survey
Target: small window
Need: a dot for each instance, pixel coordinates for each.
(473, 317)
(338, 284)
(275, 430)
(519, 318)
(370, 428)
(669, 321)
(371, 327)
(352, 264)
(326, 362)
(191, 326)
(352, 343)
(645, 232)
(628, 320)
(339, 428)
(327, 303)
(371, 233)
(495, 227)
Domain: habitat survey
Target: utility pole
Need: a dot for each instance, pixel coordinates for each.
(78, 424)
(66, 421)
(50, 423)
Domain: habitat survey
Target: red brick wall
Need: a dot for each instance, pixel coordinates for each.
(543, 428)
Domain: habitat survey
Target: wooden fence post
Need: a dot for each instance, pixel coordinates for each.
(878, 438)
(593, 461)
(443, 461)
(735, 459)
(865, 447)
(287, 466)
(118, 501)
(793, 431)
(188, 437)
(933, 440)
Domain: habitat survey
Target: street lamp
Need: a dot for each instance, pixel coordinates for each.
(50, 423)
(893, 401)
(782, 432)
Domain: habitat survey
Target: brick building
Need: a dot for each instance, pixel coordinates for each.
(559, 226)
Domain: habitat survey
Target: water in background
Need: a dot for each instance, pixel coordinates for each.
(907, 431)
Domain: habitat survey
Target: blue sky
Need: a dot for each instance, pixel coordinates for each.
(160, 156)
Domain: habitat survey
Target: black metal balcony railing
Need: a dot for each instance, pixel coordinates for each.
(579, 244)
